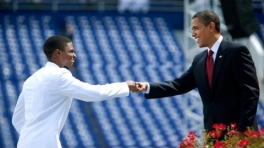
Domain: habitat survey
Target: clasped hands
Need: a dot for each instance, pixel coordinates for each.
(137, 87)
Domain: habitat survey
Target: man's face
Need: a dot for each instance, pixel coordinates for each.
(201, 33)
(68, 56)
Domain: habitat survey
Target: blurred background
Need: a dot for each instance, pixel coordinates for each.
(119, 40)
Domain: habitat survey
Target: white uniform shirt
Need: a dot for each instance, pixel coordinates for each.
(43, 105)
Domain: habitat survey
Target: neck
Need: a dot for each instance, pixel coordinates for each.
(56, 62)
(214, 39)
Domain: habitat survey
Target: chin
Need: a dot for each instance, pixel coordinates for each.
(67, 66)
(201, 46)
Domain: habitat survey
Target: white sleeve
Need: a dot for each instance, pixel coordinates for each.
(18, 119)
(70, 86)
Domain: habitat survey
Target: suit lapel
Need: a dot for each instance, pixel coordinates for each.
(220, 56)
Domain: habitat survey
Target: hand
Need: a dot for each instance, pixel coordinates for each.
(131, 85)
(141, 86)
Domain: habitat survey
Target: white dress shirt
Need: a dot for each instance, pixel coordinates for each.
(43, 105)
(215, 47)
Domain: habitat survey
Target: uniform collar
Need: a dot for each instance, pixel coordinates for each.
(51, 64)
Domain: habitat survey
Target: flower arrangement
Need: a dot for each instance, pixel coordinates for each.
(212, 139)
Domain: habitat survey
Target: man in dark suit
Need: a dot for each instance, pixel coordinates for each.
(224, 74)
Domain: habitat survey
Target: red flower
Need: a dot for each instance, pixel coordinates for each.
(215, 126)
(248, 132)
(219, 126)
(186, 144)
(232, 139)
(213, 134)
(232, 132)
(243, 143)
(219, 144)
(233, 125)
(255, 134)
(191, 136)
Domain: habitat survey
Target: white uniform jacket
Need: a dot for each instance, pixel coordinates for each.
(45, 100)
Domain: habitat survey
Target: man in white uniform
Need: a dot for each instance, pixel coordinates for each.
(43, 105)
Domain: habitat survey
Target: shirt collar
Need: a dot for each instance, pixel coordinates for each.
(216, 45)
(51, 64)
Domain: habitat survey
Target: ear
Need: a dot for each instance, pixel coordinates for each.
(212, 26)
(57, 52)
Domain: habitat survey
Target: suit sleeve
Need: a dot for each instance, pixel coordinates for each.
(248, 84)
(70, 86)
(18, 119)
(183, 84)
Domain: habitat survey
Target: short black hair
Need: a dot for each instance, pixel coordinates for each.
(207, 16)
(53, 43)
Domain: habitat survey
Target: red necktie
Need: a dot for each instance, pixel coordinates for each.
(210, 67)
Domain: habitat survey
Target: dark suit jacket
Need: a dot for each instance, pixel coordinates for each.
(235, 90)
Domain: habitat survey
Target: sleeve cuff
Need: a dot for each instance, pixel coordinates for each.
(148, 89)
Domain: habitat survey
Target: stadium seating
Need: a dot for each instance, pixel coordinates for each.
(109, 48)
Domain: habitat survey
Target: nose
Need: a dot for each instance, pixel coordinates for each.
(193, 33)
(74, 55)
